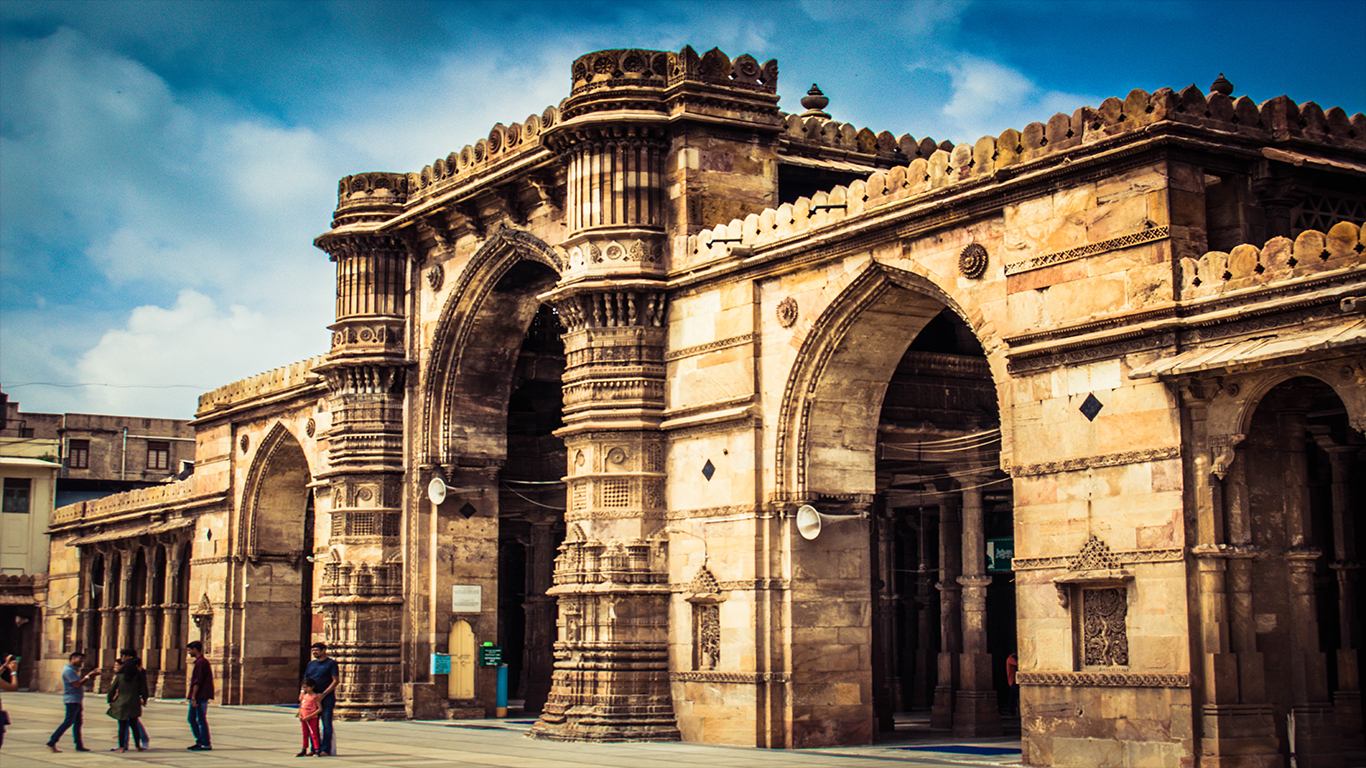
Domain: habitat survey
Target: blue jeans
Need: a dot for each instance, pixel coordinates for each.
(325, 721)
(199, 722)
(72, 721)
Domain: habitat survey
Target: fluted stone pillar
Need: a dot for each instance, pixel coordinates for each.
(109, 614)
(151, 616)
(366, 375)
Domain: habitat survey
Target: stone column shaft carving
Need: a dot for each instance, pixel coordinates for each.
(976, 710)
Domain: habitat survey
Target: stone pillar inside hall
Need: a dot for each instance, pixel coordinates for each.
(977, 712)
(1317, 741)
(172, 650)
(151, 622)
(366, 375)
(109, 615)
(950, 623)
(1347, 570)
(124, 638)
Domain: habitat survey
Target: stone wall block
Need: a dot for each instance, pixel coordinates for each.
(960, 162)
(1281, 116)
(848, 136)
(1309, 252)
(984, 156)
(1219, 108)
(783, 221)
(1243, 261)
(1212, 267)
(1191, 105)
(1341, 243)
(918, 176)
(938, 169)
(1060, 134)
(1111, 118)
(749, 231)
(1008, 148)
(1034, 141)
(896, 181)
(857, 196)
(1275, 256)
(907, 145)
(1161, 104)
(1312, 121)
(1247, 117)
(1136, 108)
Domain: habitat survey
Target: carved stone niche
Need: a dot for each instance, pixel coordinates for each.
(705, 595)
(1096, 591)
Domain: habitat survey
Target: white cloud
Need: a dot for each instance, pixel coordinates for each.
(989, 97)
(162, 359)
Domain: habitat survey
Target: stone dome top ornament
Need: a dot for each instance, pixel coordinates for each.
(815, 102)
(1222, 85)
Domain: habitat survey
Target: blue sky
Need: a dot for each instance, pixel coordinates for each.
(164, 166)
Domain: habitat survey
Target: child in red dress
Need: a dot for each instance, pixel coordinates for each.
(310, 704)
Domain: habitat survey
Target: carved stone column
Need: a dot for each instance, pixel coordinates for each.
(1317, 742)
(172, 647)
(538, 663)
(1347, 697)
(151, 615)
(977, 712)
(125, 635)
(109, 614)
(362, 590)
(950, 623)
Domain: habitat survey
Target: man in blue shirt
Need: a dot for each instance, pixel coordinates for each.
(327, 675)
(73, 696)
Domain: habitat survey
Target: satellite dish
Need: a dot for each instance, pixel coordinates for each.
(436, 491)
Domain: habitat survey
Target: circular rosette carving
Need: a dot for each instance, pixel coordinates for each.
(787, 312)
(972, 262)
(310, 427)
(245, 442)
(435, 276)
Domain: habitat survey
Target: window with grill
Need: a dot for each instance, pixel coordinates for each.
(78, 454)
(1321, 212)
(18, 491)
(158, 455)
(616, 493)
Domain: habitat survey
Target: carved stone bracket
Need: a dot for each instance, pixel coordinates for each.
(1223, 450)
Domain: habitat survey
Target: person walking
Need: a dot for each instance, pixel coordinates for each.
(9, 681)
(326, 674)
(126, 695)
(198, 695)
(73, 697)
(140, 737)
(310, 704)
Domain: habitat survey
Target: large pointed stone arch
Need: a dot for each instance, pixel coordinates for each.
(473, 327)
(881, 310)
(279, 446)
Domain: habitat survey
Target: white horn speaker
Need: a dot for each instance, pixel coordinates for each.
(810, 522)
(436, 491)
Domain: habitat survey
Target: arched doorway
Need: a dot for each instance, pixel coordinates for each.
(1305, 485)
(892, 407)
(275, 580)
(938, 459)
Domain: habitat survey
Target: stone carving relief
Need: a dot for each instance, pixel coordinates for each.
(972, 262)
(787, 312)
(436, 276)
(706, 636)
(1105, 633)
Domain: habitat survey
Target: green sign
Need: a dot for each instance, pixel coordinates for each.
(490, 655)
(999, 554)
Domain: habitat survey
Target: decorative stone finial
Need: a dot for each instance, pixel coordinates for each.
(815, 102)
(1222, 85)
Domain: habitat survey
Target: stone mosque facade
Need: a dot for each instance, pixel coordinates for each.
(1091, 391)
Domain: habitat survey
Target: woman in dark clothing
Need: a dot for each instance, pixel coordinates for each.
(126, 696)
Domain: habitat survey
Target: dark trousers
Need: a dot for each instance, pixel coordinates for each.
(199, 722)
(325, 721)
(127, 727)
(72, 721)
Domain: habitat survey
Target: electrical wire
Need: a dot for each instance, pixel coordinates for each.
(531, 501)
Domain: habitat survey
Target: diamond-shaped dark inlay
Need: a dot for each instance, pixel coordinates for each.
(1090, 407)
(708, 469)
(469, 510)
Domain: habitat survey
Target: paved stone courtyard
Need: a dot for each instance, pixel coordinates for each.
(266, 736)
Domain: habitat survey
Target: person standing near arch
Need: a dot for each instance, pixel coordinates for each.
(326, 675)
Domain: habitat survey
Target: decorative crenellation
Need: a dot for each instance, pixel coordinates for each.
(884, 146)
(1279, 118)
(588, 561)
(716, 68)
(504, 143)
(370, 197)
(1342, 247)
(156, 497)
(1093, 462)
(362, 580)
(263, 384)
(1104, 679)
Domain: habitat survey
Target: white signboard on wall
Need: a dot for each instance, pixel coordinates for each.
(467, 598)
